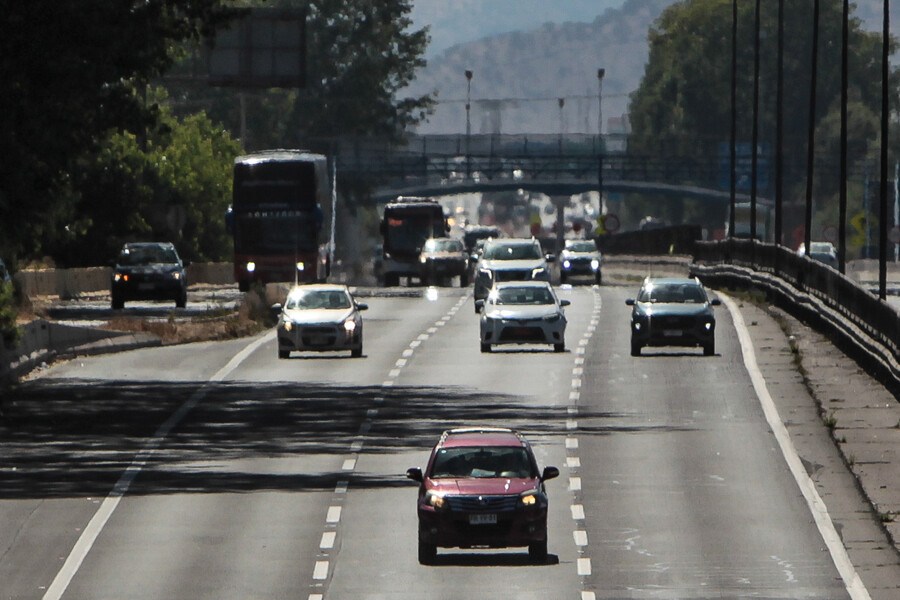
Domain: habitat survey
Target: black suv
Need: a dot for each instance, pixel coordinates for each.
(672, 311)
(482, 488)
(148, 271)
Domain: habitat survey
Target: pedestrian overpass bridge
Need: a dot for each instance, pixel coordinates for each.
(548, 164)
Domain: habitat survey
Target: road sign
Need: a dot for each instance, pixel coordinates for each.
(609, 222)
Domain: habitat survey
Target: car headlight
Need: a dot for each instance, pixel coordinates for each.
(552, 318)
(301, 266)
(251, 266)
(423, 260)
(288, 325)
(637, 325)
(708, 325)
(529, 498)
(349, 325)
(120, 277)
(595, 264)
(566, 264)
(435, 500)
(538, 272)
(176, 275)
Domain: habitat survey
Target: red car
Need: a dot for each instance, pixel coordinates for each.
(482, 489)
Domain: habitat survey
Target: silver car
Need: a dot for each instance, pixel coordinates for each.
(515, 259)
(320, 318)
(523, 312)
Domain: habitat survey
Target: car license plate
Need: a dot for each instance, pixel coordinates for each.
(318, 340)
(483, 519)
(145, 286)
(672, 333)
(522, 330)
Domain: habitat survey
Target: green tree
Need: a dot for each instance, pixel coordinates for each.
(68, 74)
(683, 105)
(174, 186)
(360, 55)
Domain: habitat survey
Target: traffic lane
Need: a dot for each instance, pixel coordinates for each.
(684, 487)
(446, 383)
(213, 457)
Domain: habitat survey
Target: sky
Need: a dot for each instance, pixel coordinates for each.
(459, 21)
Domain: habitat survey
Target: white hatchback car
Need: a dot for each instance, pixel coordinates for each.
(523, 312)
(320, 317)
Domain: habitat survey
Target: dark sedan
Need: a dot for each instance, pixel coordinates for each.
(148, 271)
(672, 312)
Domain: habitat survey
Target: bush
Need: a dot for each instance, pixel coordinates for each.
(9, 331)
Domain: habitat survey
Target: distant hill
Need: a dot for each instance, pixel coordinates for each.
(519, 77)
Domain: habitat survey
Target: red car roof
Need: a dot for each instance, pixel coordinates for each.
(500, 437)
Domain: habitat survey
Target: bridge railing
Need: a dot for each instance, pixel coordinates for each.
(847, 305)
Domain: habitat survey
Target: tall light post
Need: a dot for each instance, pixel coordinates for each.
(562, 104)
(601, 73)
(468, 121)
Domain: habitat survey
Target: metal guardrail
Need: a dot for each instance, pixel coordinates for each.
(864, 310)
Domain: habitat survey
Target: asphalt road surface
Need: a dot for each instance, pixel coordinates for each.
(217, 471)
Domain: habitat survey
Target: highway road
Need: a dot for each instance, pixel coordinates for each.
(217, 471)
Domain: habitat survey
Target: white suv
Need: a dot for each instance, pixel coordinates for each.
(510, 260)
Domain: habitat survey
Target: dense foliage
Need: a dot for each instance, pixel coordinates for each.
(683, 105)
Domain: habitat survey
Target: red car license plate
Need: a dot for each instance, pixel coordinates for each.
(483, 519)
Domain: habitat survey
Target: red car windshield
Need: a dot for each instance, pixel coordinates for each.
(481, 462)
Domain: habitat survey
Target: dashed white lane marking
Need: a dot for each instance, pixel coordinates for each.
(334, 514)
(90, 533)
(328, 538)
(852, 582)
(573, 461)
(584, 566)
(320, 571)
(333, 517)
(588, 596)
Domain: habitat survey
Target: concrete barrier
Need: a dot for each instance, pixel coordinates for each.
(70, 283)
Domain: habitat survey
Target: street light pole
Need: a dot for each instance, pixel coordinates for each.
(601, 73)
(468, 121)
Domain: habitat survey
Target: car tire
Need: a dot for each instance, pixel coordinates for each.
(427, 553)
(243, 285)
(485, 347)
(117, 303)
(284, 353)
(563, 278)
(391, 280)
(599, 278)
(181, 301)
(463, 280)
(537, 551)
(559, 347)
(709, 349)
(635, 349)
(356, 352)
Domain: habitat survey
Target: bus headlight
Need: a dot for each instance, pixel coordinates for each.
(251, 266)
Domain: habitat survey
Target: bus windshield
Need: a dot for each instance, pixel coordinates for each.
(276, 232)
(409, 232)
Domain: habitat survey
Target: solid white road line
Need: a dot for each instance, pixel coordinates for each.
(108, 506)
(852, 581)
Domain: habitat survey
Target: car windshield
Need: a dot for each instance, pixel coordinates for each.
(147, 255)
(319, 299)
(481, 462)
(582, 247)
(524, 295)
(512, 252)
(443, 246)
(672, 293)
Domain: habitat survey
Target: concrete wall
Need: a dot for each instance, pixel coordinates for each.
(70, 283)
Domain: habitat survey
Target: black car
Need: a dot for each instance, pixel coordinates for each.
(148, 271)
(672, 311)
(580, 258)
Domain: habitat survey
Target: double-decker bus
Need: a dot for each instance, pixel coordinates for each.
(407, 223)
(276, 217)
